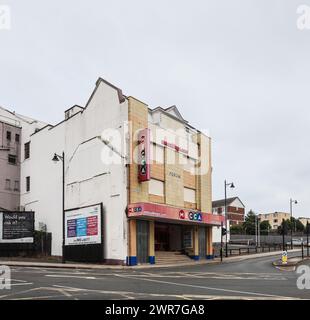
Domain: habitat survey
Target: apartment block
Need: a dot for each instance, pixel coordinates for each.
(275, 218)
(14, 128)
(235, 209)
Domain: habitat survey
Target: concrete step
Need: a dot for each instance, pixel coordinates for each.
(167, 257)
(172, 258)
(169, 253)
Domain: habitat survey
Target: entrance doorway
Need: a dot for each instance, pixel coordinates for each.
(168, 237)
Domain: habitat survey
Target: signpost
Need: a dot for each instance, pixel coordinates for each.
(284, 257)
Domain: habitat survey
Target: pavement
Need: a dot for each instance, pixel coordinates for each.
(13, 263)
(244, 278)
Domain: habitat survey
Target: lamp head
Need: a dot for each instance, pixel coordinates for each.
(232, 186)
(55, 158)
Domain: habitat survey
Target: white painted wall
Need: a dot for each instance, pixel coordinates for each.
(216, 234)
(88, 180)
(236, 203)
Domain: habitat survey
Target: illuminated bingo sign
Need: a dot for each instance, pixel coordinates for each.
(195, 216)
(137, 209)
(144, 155)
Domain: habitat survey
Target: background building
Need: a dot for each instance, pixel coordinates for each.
(13, 129)
(275, 219)
(235, 209)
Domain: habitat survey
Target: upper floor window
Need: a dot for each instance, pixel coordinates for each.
(7, 184)
(156, 187)
(8, 135)
(189, 164)
(16, 185)
(158, 154)
(17, 137)
(189, 195)
(27, 184)
(27, 150)
(12, 159)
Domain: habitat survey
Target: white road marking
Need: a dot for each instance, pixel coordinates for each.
(174, 296)
(208, 288)
(68, 276)
(18, 280)
(60, 290)
(212, 275)
(21, 284)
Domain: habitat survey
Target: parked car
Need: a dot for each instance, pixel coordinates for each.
(297, 242)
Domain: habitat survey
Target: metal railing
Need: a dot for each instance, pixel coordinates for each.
(246, 250)
(265, 248)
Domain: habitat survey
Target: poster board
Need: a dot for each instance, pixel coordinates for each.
(16, 227)
(83, 226)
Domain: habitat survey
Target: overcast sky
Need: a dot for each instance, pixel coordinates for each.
(240, 69)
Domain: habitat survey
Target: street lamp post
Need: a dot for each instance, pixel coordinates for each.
(291, 213)
(257, 231)
(221, 253)
(307, 230)
(57, 158)
(231, 185)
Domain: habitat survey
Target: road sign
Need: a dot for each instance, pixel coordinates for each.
(284, 257)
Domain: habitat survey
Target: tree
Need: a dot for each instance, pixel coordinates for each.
(265, 227)
(284, 227)
(295, 225)
(236, 229)
(250, 223)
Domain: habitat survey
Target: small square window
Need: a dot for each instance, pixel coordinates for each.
(12, 159)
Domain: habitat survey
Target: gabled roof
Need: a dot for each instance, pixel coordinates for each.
(221, 203)
(121, 97)
(171, 111)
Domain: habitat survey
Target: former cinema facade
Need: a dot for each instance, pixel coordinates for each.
(136, 182)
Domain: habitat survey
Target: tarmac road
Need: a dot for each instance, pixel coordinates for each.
(249, 279)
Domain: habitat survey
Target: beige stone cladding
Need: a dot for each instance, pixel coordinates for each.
(183, 147)
(138, 117)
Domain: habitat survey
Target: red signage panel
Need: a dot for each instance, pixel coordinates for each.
(144, 170)
(145, 210)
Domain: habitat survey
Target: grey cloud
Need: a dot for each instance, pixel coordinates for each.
(238, 68)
